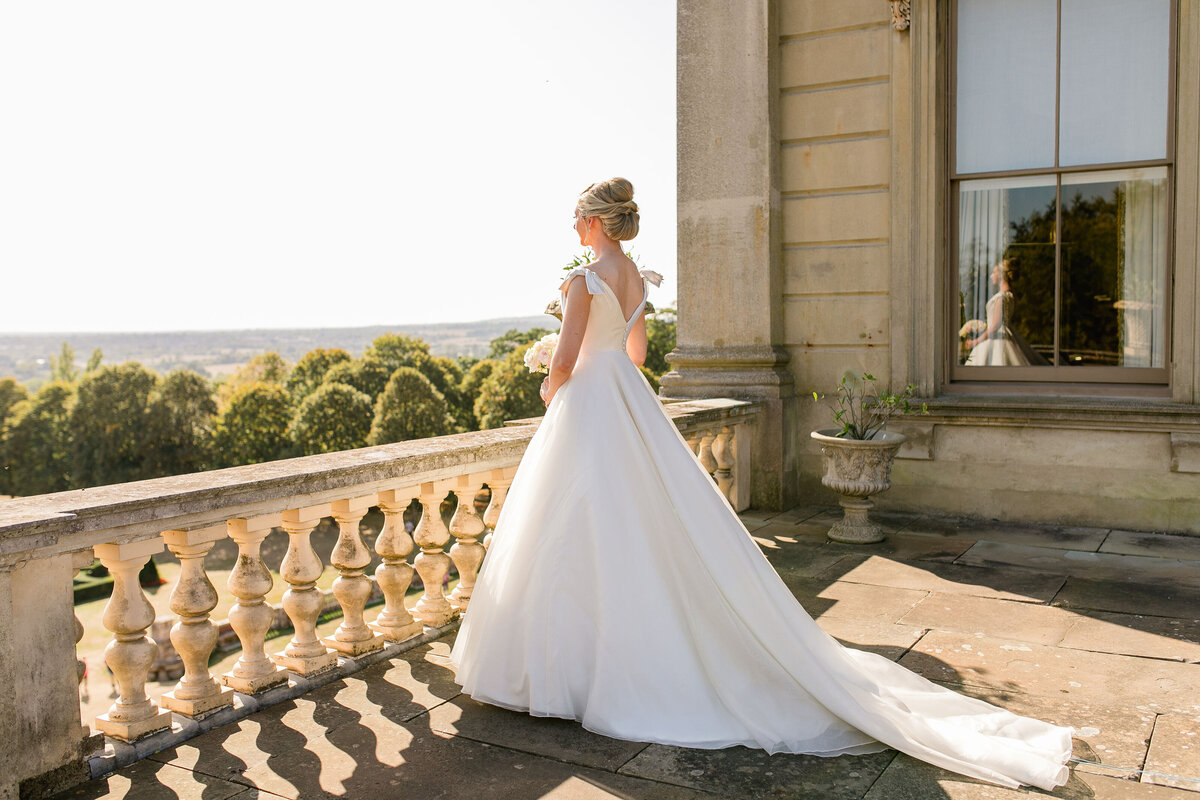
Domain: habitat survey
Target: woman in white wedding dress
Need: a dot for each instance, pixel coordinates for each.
(621, 590)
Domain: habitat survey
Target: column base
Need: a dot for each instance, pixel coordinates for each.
(397, 633)
(352, 649)
(255, 685)
(306, 665)
(132, 731)
(199, 706)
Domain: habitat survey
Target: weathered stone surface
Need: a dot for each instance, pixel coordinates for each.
(1174, 757)
(560, 739)
(1007, 584)
(909, 779)
(904, 547)
(834, 112)
(836, 218)
(979, 530)
(883, 638)
(1137, 635)
(151, 780)
(836, 58)
(1038, 670)
(836, 165)
(803, 16)
(798, 557)
(741, 772)
(1158, 545)
(837, 599)
(1108, 567)
(1002, 619)
(1157, 596)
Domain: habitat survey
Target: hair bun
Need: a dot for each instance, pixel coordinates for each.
(611, 201)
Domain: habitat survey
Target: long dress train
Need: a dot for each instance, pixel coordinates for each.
(621, 590)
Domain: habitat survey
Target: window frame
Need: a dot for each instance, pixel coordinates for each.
(1056, 378)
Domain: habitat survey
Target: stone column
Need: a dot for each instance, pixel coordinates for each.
(432, 563)
(39, 692)
(467, 553)
(498, 483)
(252, 615)
(131, 652)
(195, 635)
(731, 338)
(394, 575)
(303, 601)
(352, 588)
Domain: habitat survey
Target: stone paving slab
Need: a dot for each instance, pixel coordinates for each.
(909, 779)
(1174, 755)
(799, 558)
(152, 780)
(897, 545)
(882, 638)
(1008, 584)
(1136, 543)
(1098, 678)
(1135, 635)
(868, 603)
(1094, 566)
(1160, 598)
(976, 530)
(560, 739)
(1003, 619)
(739, 772)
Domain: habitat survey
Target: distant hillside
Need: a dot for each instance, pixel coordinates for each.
(25, 356)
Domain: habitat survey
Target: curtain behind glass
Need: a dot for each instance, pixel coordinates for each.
(1143, 271)
(1005, 84)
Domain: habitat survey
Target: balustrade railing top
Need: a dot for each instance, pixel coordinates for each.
(45, 540)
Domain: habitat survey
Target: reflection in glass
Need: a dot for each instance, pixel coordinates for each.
(1006, 271)
(1114, 268)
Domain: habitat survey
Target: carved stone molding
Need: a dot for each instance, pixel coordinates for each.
(901, 14)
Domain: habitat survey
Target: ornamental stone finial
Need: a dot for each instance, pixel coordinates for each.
(901, 14)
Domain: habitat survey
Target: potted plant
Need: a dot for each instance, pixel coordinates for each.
(858, 455)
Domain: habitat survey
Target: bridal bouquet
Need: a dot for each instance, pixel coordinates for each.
(972, 328)
(537, 357)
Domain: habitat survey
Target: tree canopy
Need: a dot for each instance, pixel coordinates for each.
(334, 417)
(410, 407)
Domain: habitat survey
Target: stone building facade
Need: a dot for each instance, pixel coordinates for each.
(828, 207)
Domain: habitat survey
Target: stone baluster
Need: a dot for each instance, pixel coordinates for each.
(394, 575)
(432, 563)
(467, 553)
(252, 615)
(693, 440)
(705, 453)
(305, 654)
(499, 482)
(194, 635)
(84, 558)
(352, 588)
(722, 451)
(131, 652)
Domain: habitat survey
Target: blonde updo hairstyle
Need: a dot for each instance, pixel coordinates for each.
(612, 202)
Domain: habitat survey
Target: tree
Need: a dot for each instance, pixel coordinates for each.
(512, 339)
(394, 350)
(93, 362)
(334, 417)
(253, 428)
(510, 392)
(63, 367)
(11, 393)
(310, 371)
(266, 367)
(110, 425)
(446, 377)
(660, 340)
(471, 384)
(368, 375)
(180, 425)
(410, 407)
(35, 447)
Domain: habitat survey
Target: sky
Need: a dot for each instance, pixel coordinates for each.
(266, 164)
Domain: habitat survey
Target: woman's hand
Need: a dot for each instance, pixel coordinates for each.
(542, 391)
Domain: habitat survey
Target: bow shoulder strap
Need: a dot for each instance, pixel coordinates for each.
(594, 284)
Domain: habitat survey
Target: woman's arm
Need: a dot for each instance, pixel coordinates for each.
(994, 313)
(570, 337)
(635, 345)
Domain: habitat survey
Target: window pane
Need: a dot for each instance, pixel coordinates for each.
(1005, 84)
(1006, 271)
(1114, 268)
(1114, 80)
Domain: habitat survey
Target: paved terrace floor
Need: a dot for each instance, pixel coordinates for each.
(1089, 627)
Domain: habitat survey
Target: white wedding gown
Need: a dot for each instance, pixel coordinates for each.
(621, 590)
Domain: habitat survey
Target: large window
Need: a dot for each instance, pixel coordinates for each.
(1061, 169)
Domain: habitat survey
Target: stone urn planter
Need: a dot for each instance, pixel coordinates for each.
(857, 469)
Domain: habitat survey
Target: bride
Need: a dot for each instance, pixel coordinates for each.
(622, 590)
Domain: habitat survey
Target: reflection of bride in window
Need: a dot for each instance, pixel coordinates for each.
(994, 343)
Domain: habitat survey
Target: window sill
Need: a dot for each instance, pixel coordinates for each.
(1094, 413)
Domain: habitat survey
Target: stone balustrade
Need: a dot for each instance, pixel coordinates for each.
(45, 540)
